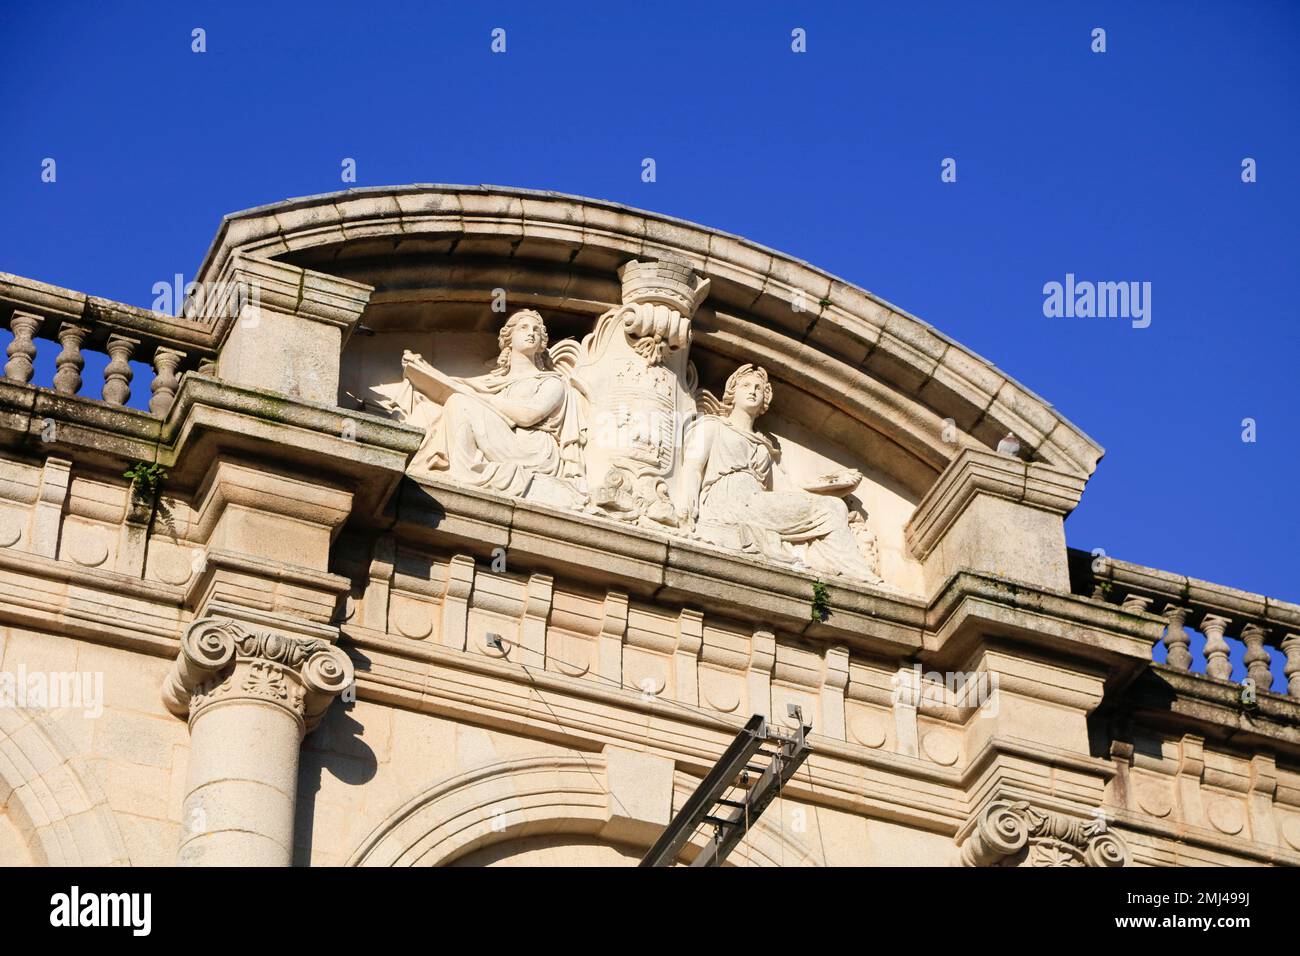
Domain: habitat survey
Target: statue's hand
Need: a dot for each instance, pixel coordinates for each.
(410, 358)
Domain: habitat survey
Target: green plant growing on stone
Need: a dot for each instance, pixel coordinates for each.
(146, 479)
(820, 609)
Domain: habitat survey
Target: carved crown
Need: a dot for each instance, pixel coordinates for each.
(670, 283)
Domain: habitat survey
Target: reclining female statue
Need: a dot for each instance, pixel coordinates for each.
(515, 430)
(727, 485)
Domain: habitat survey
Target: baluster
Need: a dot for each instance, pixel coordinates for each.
(165, 380)
(1136, 603)
(118, 374)
(1216, 648)
(208, 366)
(69, 363)
(1291, 648)
(22, 349)
(1177, 638)
(1257, 659)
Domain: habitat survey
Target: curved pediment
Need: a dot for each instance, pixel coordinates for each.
(857, 385)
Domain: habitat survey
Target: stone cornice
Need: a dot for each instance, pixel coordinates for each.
(649, 564)
(1196, 703)
(880, 621)
(367, 452)
(500, 694)
(86, 430)
(56, 304)
(972, 605)
(480, 688)
(1179, 589)
(90, 603)
(287, 289)
(487, 690)
(977, 472)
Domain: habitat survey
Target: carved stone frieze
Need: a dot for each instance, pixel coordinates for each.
(1014, 833)
(223, 660)
(617, 426)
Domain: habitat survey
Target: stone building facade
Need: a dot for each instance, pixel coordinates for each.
(469, 524)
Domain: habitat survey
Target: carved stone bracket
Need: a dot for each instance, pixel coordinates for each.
(224, 661)
(1011, 833)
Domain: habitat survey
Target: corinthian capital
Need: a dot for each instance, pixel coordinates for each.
(223, 661)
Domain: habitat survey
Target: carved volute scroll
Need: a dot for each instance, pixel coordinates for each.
(1014, 833)
(224, 661)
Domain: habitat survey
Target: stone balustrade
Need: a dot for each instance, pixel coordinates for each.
(34, 311)
(1224, 615)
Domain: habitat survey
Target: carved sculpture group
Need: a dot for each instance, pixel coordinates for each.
(616, 425)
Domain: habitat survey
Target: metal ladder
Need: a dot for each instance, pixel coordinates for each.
(758, 763)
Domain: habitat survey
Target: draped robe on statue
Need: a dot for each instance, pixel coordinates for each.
(478, 444)
(738, 509)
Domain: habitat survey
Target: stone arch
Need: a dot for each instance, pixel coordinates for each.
(882, 378)
(53, 797)
(496, 801)
(512, 799)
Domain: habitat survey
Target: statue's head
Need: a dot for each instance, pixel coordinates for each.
(748, 389)
(524, 332)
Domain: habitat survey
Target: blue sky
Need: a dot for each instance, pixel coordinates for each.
(1115, 166)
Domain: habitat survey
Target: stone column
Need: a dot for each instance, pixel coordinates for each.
(250, 697)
